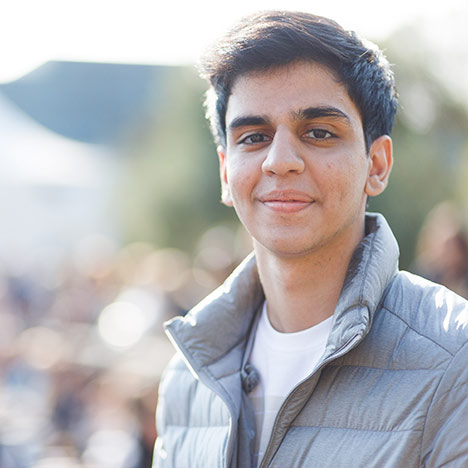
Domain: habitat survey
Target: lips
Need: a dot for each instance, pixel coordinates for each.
(286, 201)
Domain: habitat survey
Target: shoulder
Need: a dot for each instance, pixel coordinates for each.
(187, 412)
(184, 400)
(429, 310)
(176, 378)
(173, 409)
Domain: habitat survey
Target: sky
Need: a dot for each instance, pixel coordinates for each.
(169, 32)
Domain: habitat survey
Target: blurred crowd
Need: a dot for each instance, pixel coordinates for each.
(442, 248)
(82, 348)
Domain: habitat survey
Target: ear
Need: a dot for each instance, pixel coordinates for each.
(380, 165)
(225, 190)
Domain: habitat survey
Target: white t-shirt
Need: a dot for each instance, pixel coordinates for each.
(283, 360)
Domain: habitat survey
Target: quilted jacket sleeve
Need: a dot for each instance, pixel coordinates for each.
(160, 454)
(445, 438)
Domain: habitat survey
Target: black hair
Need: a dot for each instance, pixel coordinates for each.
(273, 39)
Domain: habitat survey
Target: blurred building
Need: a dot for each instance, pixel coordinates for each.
(53, 190)
(60, 131)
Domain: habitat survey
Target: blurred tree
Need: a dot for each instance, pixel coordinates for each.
(430, 142)
(170, 190)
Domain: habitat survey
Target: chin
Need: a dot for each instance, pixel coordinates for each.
(288, 248)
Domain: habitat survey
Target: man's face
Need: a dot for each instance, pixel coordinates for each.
(295, 166)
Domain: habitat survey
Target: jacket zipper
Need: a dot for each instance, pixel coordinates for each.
(340, 352)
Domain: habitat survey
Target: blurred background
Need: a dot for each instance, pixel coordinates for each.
(109, 201)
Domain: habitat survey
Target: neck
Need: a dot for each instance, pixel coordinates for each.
(303, 291)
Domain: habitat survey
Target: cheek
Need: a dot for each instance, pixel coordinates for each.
(241, 177)
(356, 177)
(344, 182)
(242, 188)
(332, 175)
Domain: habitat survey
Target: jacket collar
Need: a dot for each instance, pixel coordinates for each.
(221, 322)
(371, 269)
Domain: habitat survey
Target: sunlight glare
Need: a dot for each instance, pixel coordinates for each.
(148, 32)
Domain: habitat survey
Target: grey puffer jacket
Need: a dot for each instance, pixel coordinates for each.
(390, 391)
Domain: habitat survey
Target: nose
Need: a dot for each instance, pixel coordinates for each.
(283, 156)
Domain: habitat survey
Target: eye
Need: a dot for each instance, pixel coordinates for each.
(319, 134)
(255, 138)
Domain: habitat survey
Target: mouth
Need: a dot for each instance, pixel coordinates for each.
(286, 201)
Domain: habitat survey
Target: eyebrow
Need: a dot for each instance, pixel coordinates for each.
(308, 113)
(311, 113)
(248, 120)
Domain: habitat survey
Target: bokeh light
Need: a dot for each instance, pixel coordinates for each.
(122, 324)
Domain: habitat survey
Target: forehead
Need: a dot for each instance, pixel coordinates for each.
(288, 89)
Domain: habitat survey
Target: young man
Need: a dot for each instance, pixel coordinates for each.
(317, 351)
